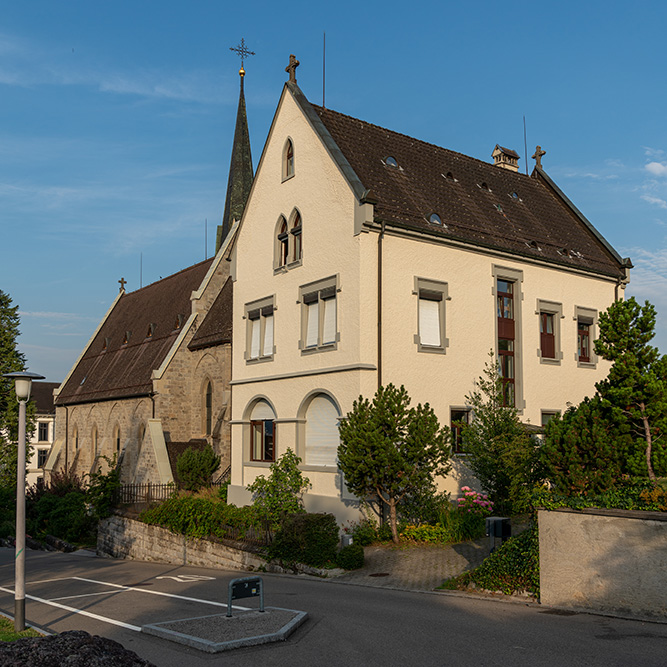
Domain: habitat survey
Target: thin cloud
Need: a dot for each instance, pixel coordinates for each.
(41, 314)
(653, 152)
(657, 201)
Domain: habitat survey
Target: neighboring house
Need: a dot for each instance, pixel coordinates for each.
(154, 377)
(366, 257)
(42, 437)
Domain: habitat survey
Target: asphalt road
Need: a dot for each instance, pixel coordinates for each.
(347, 624)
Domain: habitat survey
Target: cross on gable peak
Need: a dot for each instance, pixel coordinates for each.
(291, 68)
(122, 282)
(537, 156)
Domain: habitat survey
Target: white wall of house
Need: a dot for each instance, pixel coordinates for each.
(287, 378)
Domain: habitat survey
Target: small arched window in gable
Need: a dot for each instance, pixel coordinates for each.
(288, 160)
(116, 438)
(209, 408)
(283, 242)
(297, 240)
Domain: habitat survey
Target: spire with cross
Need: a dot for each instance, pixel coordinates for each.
(243, 52)
(291, 68)
(537, 156)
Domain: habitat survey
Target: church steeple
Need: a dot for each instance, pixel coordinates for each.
(240, 167)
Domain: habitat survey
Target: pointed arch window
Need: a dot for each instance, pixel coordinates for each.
(297, 241)
(209, 408)
(116, 439)
(283, 242)
(288, 160)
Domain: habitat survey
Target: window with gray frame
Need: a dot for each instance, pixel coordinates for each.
(319, 318)
(43, 431)
(259, 317)
(549, 315)
(432, 296)
(586, 319)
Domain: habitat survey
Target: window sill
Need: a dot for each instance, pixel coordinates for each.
(258, 464)
(287, 178)
(431, 350)
(258, 360)
(586, 364)
(313, 468)
(549, 361)
(284, 268)
(320, 348)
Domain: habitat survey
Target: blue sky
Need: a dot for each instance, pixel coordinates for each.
(116, 122)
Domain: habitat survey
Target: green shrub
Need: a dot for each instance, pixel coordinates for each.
(279, 495)
(66, 517)
(306, 538)
(102, 488)
(200, 517)
(195, 467)
(351, 557)
(514, 566)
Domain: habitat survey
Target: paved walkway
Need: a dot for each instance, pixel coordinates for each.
(416, 568)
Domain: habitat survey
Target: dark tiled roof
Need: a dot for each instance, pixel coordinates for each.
(124, 370)
(217, 325)
(175, 449)
(508, 151)
(478, 202)
(42, 394)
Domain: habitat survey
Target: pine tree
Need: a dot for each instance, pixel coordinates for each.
(389, 449)
(635, 386)
(11, 360)
(503, 456)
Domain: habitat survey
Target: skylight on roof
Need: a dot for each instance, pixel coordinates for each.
(391, 161)
(435, 219)
(514, 195)
(449, 176)
(484, 186)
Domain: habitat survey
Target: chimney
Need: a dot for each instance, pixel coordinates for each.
(505, 158)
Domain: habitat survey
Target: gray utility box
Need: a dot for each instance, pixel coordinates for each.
(498, 529)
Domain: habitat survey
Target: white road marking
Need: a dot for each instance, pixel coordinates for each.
(85, 595)
(187, 578)
(97, 617)
(167, 595)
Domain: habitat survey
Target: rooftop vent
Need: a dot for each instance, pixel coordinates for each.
(505, 158)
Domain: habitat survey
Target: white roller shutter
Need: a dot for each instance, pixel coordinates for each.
(262, 411)
(429, 322)
(312, 326)
(322, 437)
(268, 336)
(329, 326)
(254, 339)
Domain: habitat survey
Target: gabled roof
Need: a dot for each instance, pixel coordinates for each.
(112, 368)
(477, 202)
(216, 328)
(42, 394)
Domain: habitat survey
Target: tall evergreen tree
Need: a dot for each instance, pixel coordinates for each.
(389, 449)
(636, 384)
(11, 360)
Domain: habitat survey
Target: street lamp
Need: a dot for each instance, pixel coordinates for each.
(22, 383)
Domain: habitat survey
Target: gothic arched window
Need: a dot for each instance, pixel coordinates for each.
(288, 160)
(209, 408)
(297, 241)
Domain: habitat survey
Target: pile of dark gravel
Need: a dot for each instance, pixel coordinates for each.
(68, 649)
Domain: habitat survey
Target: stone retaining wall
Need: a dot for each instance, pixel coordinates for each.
(613, 561)
(120, 537)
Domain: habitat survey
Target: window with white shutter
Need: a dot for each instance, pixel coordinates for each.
(431, 298)
(260, 330)
(319, 318)
(322, 437)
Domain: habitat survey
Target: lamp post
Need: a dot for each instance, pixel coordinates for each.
(22, 383)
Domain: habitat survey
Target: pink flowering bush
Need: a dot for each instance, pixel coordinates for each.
(472, 502)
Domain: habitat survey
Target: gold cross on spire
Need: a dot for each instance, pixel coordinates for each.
(243, 52)
(291, 68)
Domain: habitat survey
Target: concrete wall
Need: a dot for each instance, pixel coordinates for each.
(613, 561)
(119, 537)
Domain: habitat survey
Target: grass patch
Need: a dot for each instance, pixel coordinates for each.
(7, 633)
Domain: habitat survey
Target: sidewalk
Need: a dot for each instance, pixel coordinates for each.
(416, 567)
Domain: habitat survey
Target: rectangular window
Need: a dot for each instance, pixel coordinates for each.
(431, 297)
(459, 417)
(262, 440)
(260, 330)
(42, 456)
(549, 315)
(505, 302)
(548, 415)
(319, 318)
(43, 433)
(586, 319)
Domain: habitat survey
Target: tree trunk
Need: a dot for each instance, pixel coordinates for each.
(647, 433)
(392, 519)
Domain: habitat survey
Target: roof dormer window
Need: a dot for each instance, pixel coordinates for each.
(151, 330)
(178, 323)
(126, 337)
(435, 219)
(391, 161)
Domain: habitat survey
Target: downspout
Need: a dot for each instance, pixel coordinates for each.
(380, 238)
